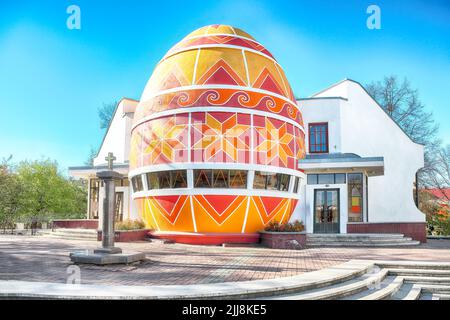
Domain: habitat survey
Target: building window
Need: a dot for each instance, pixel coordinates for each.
(167, 179)
(326, 178)
(271, 181)
(283, 182)
(312, 179)
(259, 181)
(178, 179)
(355, 197)
(203, 178)
(220, 179)
(152, 180)
(163, 179)
(121, 182)
(296, 184)
(339, 178)
(137, 183)
(238, 179)
(318, 137)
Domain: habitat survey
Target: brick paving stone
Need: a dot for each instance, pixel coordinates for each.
(46, 259)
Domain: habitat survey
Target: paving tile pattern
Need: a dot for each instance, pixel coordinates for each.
(38, 258)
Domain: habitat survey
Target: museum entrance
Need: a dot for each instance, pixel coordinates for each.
(326, 211)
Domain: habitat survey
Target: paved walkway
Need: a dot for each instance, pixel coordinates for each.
(46, 259)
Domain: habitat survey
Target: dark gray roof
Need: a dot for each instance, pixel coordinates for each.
(103, 166)
(337, 157)
(322, 98)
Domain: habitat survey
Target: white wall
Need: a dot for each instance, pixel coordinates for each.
(368, 131)
(323, 110)
(117, 138)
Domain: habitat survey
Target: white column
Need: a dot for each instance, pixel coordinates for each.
(88, 213)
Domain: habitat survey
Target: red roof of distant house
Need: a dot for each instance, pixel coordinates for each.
(440, 193)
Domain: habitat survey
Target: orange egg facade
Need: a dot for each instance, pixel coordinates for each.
(216, 138)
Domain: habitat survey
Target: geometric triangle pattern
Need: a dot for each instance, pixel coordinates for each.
(164, 140)
(214, 213)
(218, 96)
(221, 137)
(219, 59)
(224, 137)
(275, 143)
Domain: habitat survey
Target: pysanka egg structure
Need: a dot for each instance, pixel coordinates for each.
(216, 138)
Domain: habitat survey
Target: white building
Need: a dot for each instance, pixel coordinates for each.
(360, 166)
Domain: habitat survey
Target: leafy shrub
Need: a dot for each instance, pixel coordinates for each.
(130, 225)
(439, 221)
(275, 226)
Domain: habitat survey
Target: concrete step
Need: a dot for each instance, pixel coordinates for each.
(364, 244)
(75, 231)
(73, 238)
(418, 265)
(441, 296)
(408, 291)
(359, 240)
(353, 241)
(434, 288)
(56, 235)
(427, 296)
(339, 290)
(427, 280)
(354, 235)
(355, 238)
(419, 272)
(74, 234)
(384, 290)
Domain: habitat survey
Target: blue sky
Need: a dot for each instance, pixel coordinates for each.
(52, 79)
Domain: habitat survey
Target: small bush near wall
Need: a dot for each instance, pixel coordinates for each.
(284, 236)
(128, 231)
(439, 222)
(130, 225)
(275, 226)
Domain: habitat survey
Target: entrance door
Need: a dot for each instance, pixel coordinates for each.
(326, 211)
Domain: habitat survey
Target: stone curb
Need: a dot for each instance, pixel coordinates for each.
(225, 290)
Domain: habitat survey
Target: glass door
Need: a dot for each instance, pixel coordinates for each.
(326, 211)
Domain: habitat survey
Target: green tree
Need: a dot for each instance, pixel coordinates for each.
(105, 113)
(11, 193)
(48, 194)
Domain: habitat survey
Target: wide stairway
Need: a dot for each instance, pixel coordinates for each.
(73, 234)
(385, 281)
(359, 240)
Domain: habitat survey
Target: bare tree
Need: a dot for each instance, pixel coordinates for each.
(402, 103)
(437, 173)
(90, 159)
(105, 113)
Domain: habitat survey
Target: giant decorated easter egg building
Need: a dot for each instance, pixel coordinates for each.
(216, 140)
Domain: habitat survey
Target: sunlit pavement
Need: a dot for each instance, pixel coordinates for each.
(38, 258)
